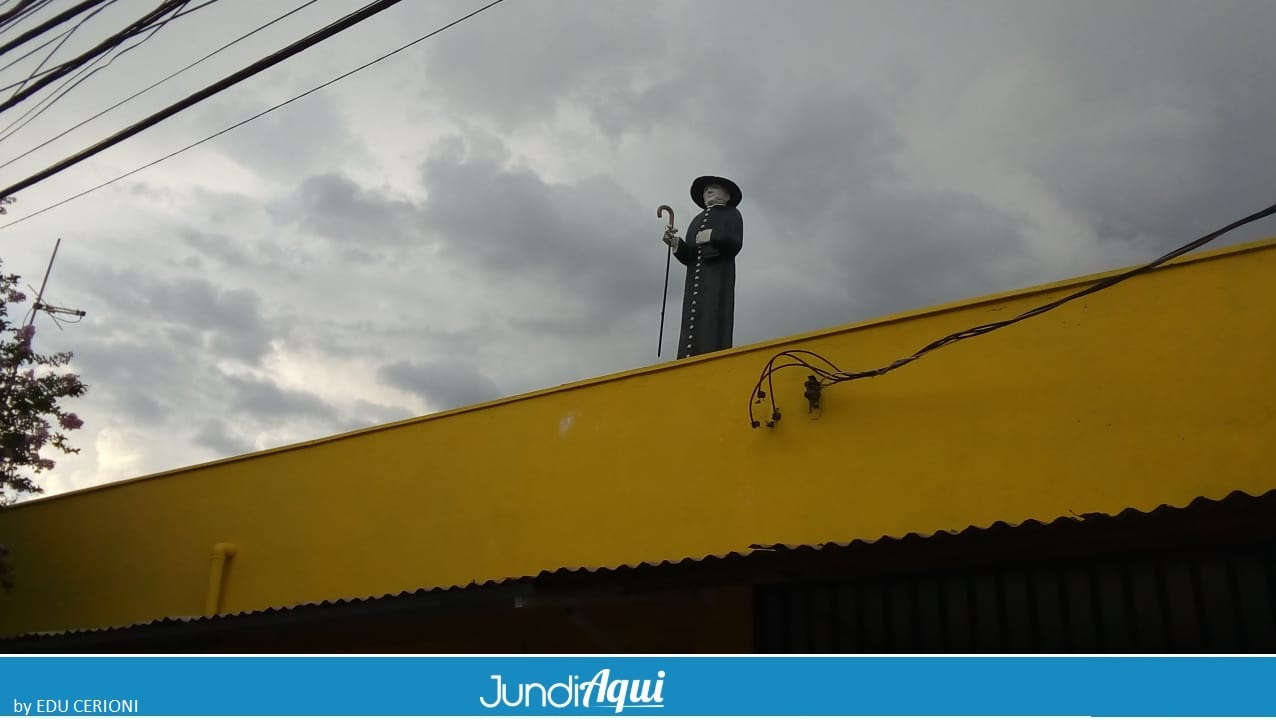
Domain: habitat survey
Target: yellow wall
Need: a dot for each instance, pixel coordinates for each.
(1156, 391)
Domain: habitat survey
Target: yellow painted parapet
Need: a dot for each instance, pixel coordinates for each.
(1158, 390)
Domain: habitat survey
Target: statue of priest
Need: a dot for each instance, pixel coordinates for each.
(713, 240)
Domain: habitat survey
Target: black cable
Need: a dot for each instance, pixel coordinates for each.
(265, 63)
(8, 15)
(828, 379)
(768, 376)
(33, 51)
(36, 73)
(79, 78)
(51, 23)
(138, 27)
(188, 11)
(223, 131)
(61, 40)
(159, 82)
(59, 70)
(20, 12)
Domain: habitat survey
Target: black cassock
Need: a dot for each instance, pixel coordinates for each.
(708, 296)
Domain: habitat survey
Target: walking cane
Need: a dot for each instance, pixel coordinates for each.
(664, 299)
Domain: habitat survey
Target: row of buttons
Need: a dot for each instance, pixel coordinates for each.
(695, 286)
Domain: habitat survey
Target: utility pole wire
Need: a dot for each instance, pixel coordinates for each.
(32, 51)
(157, 83)
(229, 81)
(175, 153)
(36, 73)
(60, 39)
(188, 11)
(112, 42)
(80, 77)
(51, 23)
(21, 10)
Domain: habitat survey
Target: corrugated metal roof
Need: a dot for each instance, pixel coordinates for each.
(1218, 518)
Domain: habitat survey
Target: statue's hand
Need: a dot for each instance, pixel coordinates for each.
(671, 237)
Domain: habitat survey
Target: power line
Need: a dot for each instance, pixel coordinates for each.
(159, 82)
(51, 23)
(324, 33)
(830, 374)
(23, 10)
(136, 28)
(33, 51)
(82, 76)
(91, 57)
(61, 39)
(188, 11)
(190, 100)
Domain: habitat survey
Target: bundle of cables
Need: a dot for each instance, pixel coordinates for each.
(824, 373)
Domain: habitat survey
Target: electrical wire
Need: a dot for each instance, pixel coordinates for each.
(207, 92)
(188, 11)
(138, 27)
(11, 16)
(278, 56)
(22, 11)
(36, 73)
(75, 81)
(31, 52)
(159, 82)
(71, 83)
(51, 23)
(824, 377)
(28, 54)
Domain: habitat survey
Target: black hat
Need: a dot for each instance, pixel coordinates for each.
(697, 189)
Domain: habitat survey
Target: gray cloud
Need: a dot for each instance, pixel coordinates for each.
(214, 245)
(217, 436)
(813, 157)
(443, 385)
(533, 62)
(1154, 128)
(575, 243)
(228, 321)
(132, 377)
(367, 414)
(335, 207)
(287, 145)
(919, 248)
(264, 399)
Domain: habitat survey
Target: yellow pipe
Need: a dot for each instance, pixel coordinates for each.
(222, 552)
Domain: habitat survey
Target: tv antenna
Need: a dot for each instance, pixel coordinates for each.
(53, 310)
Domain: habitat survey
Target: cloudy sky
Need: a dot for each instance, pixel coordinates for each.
(475, 217)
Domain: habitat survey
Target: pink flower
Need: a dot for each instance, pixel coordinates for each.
(71, 421)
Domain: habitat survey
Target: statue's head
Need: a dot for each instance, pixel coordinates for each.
(715, 194)
(709, 190)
